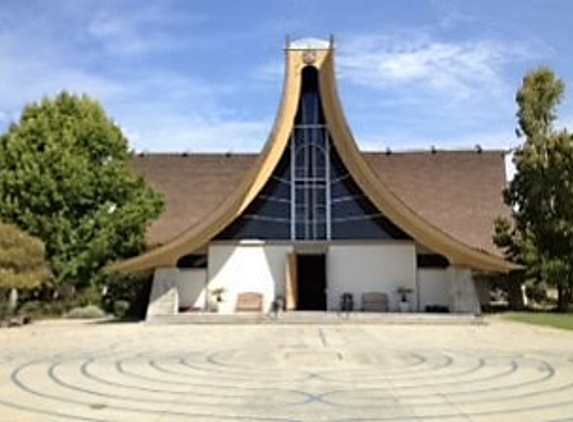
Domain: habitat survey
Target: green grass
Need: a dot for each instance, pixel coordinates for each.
(548, 319)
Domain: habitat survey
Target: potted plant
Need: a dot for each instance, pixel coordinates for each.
(215, 298)
(403, 291)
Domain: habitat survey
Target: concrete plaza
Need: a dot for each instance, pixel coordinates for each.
(500, 371)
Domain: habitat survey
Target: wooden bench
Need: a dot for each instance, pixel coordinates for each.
(374, 302)
(249, 302)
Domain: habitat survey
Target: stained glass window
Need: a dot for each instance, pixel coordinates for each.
(311, 195)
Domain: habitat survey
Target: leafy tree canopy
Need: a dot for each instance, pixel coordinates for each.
(541, 194)
(66, 179)
(22, 263)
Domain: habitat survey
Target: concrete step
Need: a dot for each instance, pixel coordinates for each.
(302, 317)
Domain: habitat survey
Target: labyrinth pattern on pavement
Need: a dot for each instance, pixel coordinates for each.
(301, 374)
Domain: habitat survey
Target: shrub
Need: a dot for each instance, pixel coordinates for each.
(120, 308)
(88, 296)
(133, 289)
(32, 309)
(88, 312)
(537, 292)
(4, 310)
(35, 309)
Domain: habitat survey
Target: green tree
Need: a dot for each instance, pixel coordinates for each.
(66, 179)
(540, 234)
(22, 261)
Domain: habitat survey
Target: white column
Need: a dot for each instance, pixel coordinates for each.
(463, 294)
(164, 297)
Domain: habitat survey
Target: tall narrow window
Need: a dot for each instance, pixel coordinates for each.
(309, 159)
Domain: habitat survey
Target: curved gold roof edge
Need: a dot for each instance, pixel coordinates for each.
(387, 202)
(231, 208)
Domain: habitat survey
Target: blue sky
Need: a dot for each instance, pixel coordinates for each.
(207, 75)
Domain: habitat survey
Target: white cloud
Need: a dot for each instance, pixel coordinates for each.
(143, 29)
(458, 69)
(451, 16)
(271, 71)
(158, 109)
(26, 77)
(504, 140)
(167, 111)
(197, 133)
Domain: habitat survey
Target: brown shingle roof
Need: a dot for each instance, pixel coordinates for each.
(457, 191)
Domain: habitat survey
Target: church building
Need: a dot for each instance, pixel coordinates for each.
(312, 223)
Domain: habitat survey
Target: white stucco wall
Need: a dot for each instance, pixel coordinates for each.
(370, 268)
(247, 267)
(433, 287)
(191, 284)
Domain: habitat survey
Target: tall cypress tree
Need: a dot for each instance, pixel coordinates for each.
(541, 194)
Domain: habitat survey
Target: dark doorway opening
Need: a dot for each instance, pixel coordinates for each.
(311, 280)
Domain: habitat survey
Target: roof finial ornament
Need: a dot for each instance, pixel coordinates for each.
(287, 41)
(331, 41)
(309, 57)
